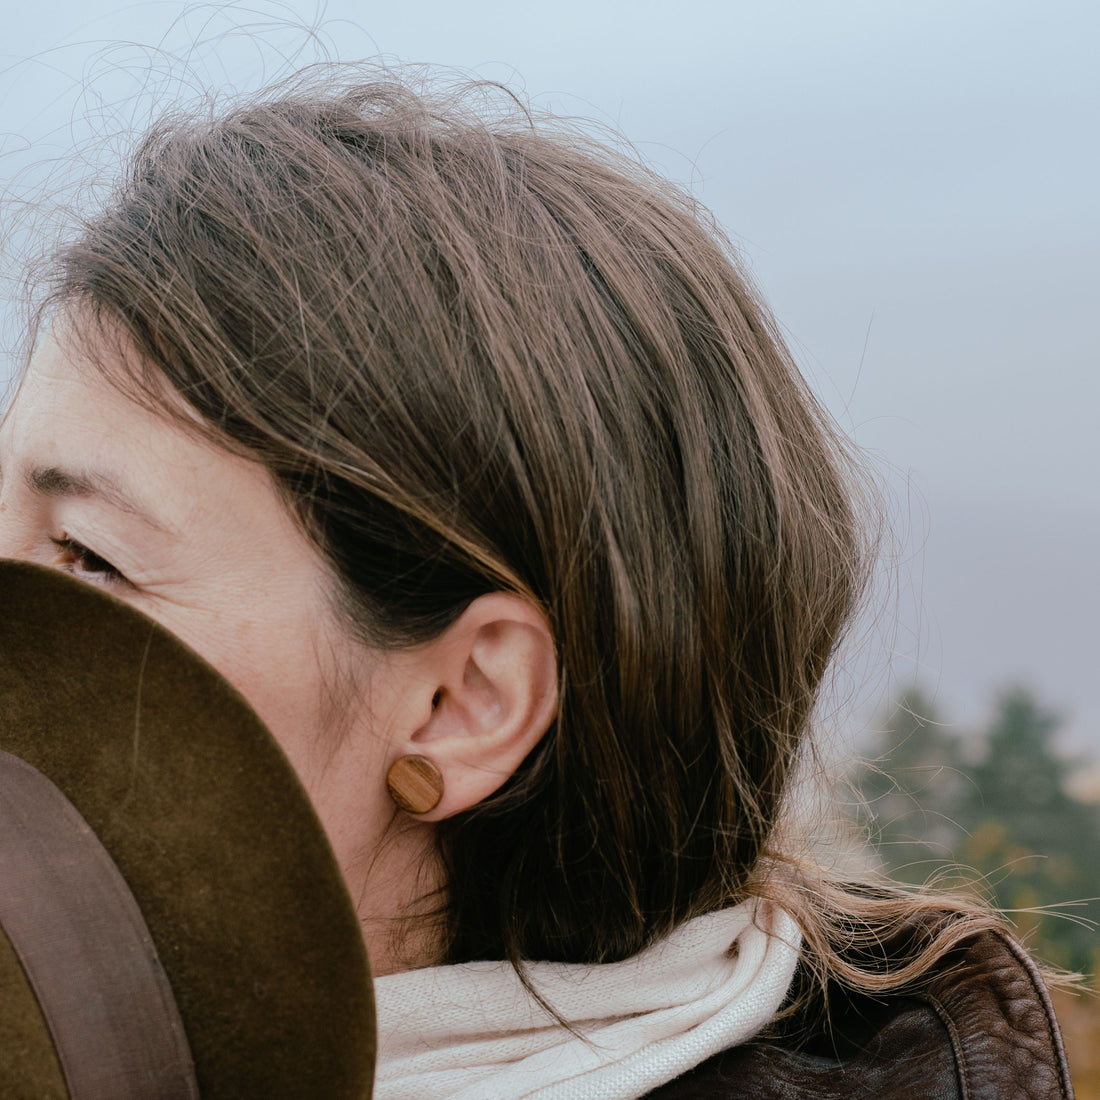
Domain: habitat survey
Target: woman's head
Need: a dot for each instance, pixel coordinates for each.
(479, 359)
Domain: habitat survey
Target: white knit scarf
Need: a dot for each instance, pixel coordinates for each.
(472, 1032)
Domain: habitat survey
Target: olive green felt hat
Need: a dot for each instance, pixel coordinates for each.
(207, 823)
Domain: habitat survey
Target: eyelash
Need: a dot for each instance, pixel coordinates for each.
(90, 563)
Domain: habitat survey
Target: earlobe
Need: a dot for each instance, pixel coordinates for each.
(494, 697)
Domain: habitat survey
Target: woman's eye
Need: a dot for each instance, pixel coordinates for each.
(82, 562)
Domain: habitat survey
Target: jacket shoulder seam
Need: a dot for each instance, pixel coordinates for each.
(961, 1070)
(1043, 994)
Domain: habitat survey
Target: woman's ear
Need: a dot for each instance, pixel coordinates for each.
(495, 692)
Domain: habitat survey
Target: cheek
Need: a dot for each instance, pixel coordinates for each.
(275, 667)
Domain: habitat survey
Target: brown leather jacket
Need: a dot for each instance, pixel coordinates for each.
(981, 1028)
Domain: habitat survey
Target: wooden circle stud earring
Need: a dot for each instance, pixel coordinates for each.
(415, 784)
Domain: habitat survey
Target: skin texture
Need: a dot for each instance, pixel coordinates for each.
(198, 539)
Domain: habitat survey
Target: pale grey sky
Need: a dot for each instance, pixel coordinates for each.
(915, 187)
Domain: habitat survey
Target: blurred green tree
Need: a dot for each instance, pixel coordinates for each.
(997, 803)
(1038, 845)
(914, 788)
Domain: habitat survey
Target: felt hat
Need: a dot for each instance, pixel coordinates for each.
(206, 822)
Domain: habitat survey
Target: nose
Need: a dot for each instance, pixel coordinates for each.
(13, 539)
(7, 543)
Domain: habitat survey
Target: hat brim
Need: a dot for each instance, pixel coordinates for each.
(210, 827)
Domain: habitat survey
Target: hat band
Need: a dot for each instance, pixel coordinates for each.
(84, 946)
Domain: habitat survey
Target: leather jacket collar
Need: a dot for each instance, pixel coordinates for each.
(981, 1027)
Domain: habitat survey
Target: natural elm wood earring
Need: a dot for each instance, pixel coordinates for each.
(415, 784)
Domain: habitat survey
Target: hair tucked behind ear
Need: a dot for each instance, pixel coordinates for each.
(478, 354)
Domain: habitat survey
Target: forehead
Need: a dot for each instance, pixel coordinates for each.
(63, 403)
(68, 416)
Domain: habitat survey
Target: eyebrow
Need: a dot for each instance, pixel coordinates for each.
(57, 482)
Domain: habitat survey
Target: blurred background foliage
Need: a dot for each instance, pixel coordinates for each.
(1004, 806)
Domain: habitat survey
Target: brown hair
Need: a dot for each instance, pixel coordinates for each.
(479, 352)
